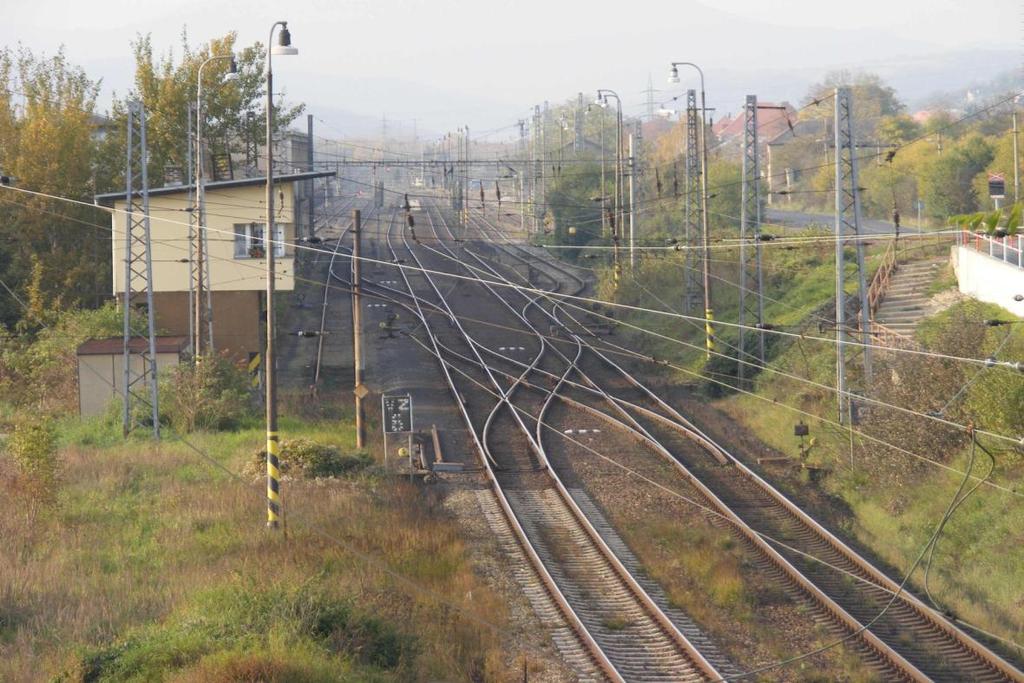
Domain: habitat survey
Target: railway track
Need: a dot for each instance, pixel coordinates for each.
(331, 277)
(627, 635)
(906, 638)
(924, 645)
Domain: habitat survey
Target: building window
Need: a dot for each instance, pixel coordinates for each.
(249, 240)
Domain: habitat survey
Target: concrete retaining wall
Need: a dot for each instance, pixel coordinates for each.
(988, 279)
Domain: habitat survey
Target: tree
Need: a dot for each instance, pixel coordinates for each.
(897, 129)
(946, 183)
(53, 251)
(232, 112)
(872, 98)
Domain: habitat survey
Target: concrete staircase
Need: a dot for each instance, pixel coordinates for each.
(906, 301)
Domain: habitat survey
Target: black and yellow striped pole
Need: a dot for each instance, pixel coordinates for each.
(269, 235)
(273, 481)
(709, 331)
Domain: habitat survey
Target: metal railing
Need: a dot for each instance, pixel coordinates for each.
(1009, 249)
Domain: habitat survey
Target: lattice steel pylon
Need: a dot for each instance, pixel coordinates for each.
(693, 295)
(193, 221)
(751, 308)
(537, 178)
(847, 225)
(139, 325)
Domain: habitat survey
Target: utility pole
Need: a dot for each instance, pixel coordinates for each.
(357, 327)
(538, 168)
(632, 206)
(577, 121)
(269, 359)
(542, 158)
(192, 231)
(650, 97)
(465, 196)
(709, 315)
(138, 275)
(848, 221)
(1016, 161)
(602, 195)
(525, 166)
(310, 182)
(751, 280)
(692, 204)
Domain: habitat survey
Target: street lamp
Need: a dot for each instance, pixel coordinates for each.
(283, 48)
(602, 101)
(200, 214)
(709, 316)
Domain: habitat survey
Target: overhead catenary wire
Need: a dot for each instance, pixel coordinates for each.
(985, 362)
(260, 274)
(895, 594)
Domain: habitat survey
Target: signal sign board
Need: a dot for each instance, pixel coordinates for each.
(996, 185)
(397, 413)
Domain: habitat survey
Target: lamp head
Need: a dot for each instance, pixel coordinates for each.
(673, 75)
(232, 74)
(284, 43)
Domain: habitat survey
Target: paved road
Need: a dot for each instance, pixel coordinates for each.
(801, 220)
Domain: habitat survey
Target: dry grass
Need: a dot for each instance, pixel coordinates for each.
(139, 535)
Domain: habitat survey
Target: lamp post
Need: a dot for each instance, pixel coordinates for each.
(200, 212)
(602, 100)
(709, 316)
(283, 47)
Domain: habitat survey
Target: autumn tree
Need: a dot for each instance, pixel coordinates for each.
(233, 112)
(54, 253)
(947, 182)
(872, 98)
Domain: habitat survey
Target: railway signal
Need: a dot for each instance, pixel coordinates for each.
(397, 418)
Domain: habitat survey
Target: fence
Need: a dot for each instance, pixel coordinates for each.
(1009, 249)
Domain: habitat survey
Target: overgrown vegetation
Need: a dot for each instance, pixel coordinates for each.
(311, 459)
(211, 394)
(33, 448)
(38, 370)
(893, 494)
(153, 566)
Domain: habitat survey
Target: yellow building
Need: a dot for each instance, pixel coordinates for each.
(235, 221)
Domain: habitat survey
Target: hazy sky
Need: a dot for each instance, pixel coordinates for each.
(485, 63)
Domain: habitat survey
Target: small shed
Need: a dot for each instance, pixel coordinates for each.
(101, 368)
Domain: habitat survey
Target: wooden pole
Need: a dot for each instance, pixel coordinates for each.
(357, 325)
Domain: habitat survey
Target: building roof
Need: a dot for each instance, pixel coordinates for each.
(772, 121)
(109, 198)
(113, 346)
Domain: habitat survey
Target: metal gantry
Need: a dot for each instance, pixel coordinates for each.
(751, 308)
(847, 225)
(139, 328)
(694, 292)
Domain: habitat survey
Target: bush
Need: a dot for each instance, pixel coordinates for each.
(33, 446)
(247, 631)
(211, 394)
(311, 459)
(40, 371)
